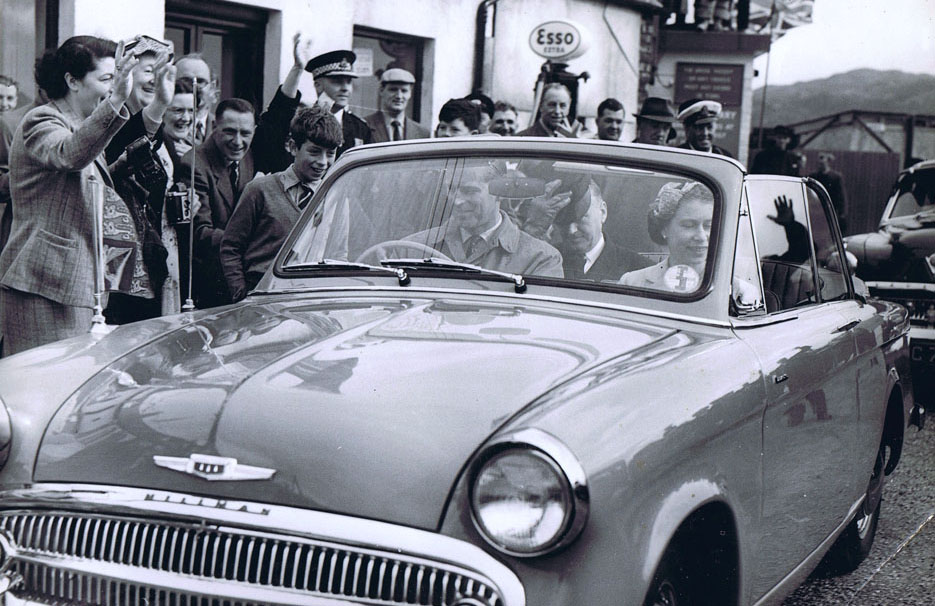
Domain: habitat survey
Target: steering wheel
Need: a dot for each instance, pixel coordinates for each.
(381, 251)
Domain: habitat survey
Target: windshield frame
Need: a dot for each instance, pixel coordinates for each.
(507, 148)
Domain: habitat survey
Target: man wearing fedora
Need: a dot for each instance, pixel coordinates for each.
(390, 122)
(776, 158)
(334, 80)
(699, 117)
(654, 122)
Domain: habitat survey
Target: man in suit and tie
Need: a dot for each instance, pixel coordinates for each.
(334, 81)
(587, 253)
(223, 166)
(390, 123)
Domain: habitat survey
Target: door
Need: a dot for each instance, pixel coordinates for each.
(865, 326)
(806, 351)
(229, 36)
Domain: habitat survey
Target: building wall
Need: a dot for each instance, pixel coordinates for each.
(612, 58)
(665, 87)
(446, 26)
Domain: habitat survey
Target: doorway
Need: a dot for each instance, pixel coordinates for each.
(231, 39)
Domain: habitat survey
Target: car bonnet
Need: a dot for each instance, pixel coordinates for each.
(360, 405)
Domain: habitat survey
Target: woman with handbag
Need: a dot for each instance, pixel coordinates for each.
(47, 267)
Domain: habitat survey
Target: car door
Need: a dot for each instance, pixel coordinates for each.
(863, 323)
(806, 350)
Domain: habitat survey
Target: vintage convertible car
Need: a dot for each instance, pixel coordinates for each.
(898, 264)
(486, 372)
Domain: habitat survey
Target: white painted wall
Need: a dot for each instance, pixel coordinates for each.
(613, 63)
(113, 19)
(447, 26)
(665, 87)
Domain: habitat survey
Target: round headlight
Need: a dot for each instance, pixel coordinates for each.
(522, 501)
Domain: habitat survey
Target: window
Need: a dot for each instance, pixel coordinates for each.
(780, 222)
(829, 257)
(596, 225)
(229, 36)
(746, 291)
(383, 51)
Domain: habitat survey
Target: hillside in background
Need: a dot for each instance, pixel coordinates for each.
(862, 89)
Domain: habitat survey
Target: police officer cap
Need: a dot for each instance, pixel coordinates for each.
(397, 74)
(334, 63)
(699, 111)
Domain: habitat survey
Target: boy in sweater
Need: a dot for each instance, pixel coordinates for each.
(270, 205)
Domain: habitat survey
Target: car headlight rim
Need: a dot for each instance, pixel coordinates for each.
(552, 453)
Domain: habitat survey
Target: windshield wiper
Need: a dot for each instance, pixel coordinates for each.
(399, 272)
(519, 284)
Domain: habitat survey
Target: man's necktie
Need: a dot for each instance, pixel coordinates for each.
(234, 176)
(305, 196)
(397, 130)
(472, 246)
(574, 266)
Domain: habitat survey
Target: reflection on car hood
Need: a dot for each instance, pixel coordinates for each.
(365, 406)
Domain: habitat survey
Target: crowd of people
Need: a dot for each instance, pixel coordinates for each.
(198, 192)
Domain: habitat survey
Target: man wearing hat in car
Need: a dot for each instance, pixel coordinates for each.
(654, 122)
(587, 252)
(390, 122)
(334, 80)
(699, 116)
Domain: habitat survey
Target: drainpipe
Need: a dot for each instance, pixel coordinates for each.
(480, 31)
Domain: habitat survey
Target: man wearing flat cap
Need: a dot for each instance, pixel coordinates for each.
(390, 122)
(654, 122)
(587, 252)
(699, 116)
(334, 80)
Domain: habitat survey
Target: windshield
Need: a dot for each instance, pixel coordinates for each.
(915, 193)
(539, 218)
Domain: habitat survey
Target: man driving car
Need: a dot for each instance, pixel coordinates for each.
(479, 233)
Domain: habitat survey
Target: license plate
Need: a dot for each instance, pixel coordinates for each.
(923, 353)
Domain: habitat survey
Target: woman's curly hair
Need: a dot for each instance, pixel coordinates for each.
(667, 202)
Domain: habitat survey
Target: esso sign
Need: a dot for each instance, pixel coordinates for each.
(558, 40)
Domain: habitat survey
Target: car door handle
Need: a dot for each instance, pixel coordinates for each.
(847, 326)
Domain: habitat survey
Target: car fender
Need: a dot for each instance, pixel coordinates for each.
(674, 509)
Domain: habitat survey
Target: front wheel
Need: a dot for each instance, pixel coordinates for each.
(853, 546)
(670, 583)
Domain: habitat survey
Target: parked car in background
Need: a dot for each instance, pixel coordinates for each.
(488, 372)
(898, 264)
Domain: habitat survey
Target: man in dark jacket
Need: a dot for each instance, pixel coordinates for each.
(223, 167)
(272, 129)
(334, 81)
(775, 158)
(587, 252)
(834, 183)
(390, 122)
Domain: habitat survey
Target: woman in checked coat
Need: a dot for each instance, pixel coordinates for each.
(47, 267)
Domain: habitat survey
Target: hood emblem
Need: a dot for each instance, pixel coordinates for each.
(209, 467)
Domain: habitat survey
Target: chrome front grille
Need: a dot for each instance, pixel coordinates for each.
(86, 558)
(920, 303)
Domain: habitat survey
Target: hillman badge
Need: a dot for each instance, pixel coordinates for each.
(681, 278)
(212, 468)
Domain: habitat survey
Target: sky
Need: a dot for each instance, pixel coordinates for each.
(853, 34)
